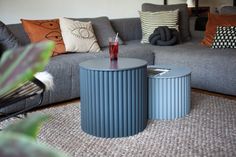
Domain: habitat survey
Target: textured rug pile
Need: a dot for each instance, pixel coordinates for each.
(209, 130)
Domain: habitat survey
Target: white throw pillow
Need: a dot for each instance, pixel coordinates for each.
(151, 20)
(78, 36)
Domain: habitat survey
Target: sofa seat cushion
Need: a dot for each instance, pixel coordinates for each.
(210, 67)
(65, 70)
(134, 49)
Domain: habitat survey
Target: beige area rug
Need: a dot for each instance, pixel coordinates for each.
(209, 130)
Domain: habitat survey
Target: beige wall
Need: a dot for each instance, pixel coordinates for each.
(12, 10)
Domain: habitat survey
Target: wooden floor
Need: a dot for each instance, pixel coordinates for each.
(77, 101)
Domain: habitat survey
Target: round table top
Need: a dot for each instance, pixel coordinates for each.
(104, 64)
(173, 71)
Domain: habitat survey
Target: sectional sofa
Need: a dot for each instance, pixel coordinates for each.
(212, 69)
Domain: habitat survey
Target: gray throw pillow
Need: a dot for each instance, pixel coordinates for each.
(228, 10)
(102, 29)
(7, 39)
(183, 16)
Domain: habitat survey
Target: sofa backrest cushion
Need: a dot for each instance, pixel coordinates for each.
(101, 25)
(19, 33)
(7, 39)
(183, 16)
(228, 10)
(102, 29)
(128, 28)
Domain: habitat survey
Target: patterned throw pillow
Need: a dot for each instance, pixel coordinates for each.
(225, 37)
(151, 20)
(40, 30)
(215, 20)
(78, 36)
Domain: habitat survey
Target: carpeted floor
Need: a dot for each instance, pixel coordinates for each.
(209, 130)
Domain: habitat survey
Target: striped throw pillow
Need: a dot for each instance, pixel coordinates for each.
(152, 20)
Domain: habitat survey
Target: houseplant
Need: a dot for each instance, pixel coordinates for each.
(17, 66)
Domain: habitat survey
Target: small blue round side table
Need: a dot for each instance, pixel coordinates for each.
(168, 92)
(113, 97)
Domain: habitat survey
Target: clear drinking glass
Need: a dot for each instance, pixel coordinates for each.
(113, 49)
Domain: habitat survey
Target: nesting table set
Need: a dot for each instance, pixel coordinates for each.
(118, 97)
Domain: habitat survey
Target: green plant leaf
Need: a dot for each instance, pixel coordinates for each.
(17, 145)
(19, 65)
(29, 126)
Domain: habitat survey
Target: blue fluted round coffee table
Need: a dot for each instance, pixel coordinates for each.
(169, 92)
(113, 97)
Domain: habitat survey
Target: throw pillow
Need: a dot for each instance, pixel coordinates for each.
(163, 36)
(78, 36)
(102, 28)
(183, 16)
(151, 20)
(40, 30)
(215, 20)
(7, 39)
(225, 37)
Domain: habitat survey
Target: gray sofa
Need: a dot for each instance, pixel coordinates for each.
(212, 69)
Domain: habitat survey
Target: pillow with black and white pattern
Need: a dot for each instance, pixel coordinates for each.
(225, 37)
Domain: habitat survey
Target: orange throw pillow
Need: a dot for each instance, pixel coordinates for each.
(215, 20)
(40, 30)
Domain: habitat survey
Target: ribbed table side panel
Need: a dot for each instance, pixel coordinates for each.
(169, 98)
(113, 103)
